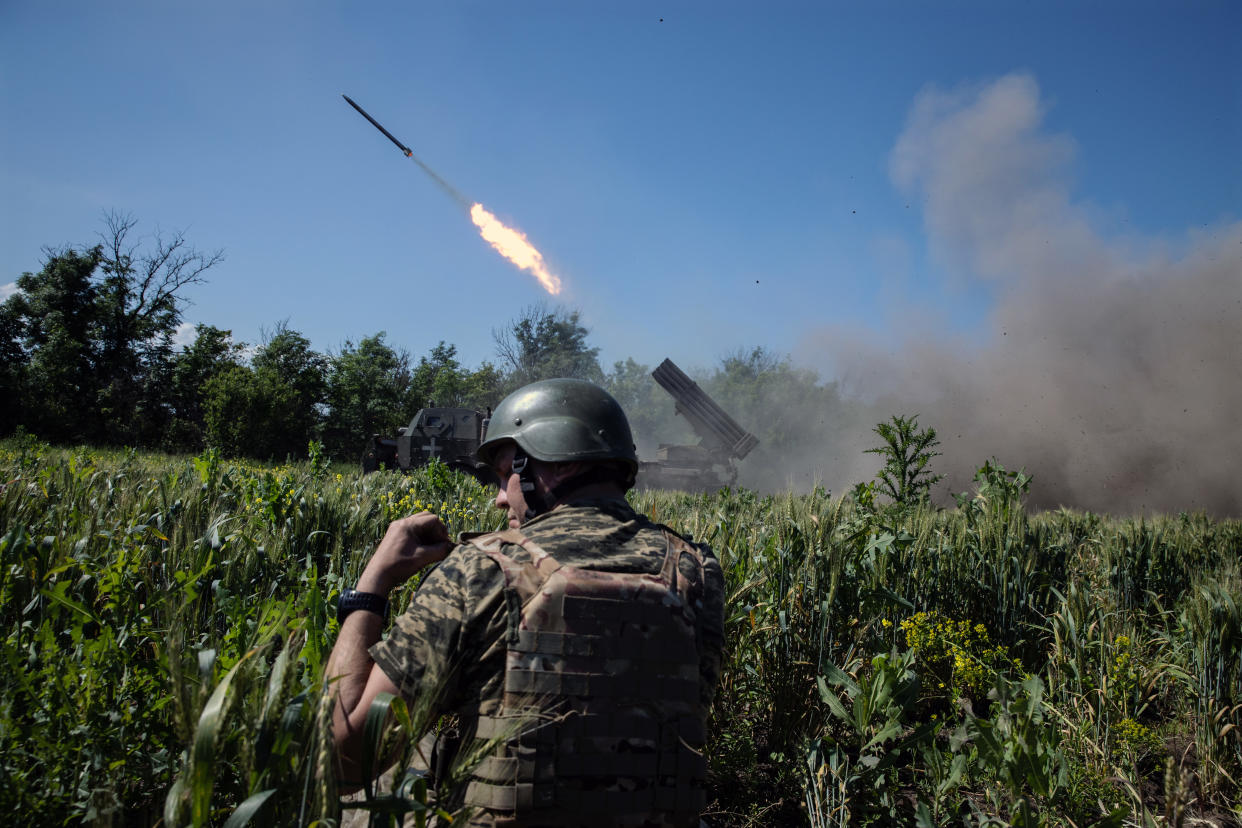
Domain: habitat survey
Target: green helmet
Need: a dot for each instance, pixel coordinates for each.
(561, 420)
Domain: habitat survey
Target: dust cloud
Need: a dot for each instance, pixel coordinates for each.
(1109, 364)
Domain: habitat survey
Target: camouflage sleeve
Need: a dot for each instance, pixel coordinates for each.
(434, 649)
(710, 621)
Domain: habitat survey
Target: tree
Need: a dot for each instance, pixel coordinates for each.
(542, 344)
(906, 451)
(13, 361)
(245, 414)
(294, 378)
(270, 409)
(212, 351)
(439, 378)
(757, 386)
(287, 355)
(137, 312)
(481, 388)
(51, 321)
(366, 392)
(90, 335)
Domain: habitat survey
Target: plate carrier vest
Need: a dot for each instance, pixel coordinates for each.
(601, 720)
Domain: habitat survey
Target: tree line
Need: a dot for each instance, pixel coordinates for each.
(87, 355)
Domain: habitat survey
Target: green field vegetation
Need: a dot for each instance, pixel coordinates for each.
(166, 622)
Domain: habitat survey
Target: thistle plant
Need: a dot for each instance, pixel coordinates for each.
(907, 451)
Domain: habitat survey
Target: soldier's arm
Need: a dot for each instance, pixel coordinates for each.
(409, 545)
(356, 681)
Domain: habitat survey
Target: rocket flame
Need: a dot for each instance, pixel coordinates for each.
(512, 244)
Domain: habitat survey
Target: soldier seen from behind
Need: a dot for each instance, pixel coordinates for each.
(584, 641)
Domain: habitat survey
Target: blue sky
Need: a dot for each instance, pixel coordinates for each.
(704, 177)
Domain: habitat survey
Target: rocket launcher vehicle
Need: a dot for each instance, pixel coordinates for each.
(709, 464)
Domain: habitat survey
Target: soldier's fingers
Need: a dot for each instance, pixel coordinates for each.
(436, 551)
(428, 527)
(415, 525)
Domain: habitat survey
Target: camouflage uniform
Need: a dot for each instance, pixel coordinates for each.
(454, 639)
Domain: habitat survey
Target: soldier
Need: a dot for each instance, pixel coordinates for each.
(583, 642)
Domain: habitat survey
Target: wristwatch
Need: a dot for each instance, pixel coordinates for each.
(352, 599)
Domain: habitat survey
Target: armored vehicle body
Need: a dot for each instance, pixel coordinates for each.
(451, 435)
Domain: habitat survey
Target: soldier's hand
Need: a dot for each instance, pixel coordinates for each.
(410, 544)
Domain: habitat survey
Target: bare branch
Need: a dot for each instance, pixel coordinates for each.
(120, 254)
(507, 349)
(156, 276)
(513, 341)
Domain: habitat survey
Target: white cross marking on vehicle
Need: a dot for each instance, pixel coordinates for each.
(432, 449)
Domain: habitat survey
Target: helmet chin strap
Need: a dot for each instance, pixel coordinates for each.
(536, 504)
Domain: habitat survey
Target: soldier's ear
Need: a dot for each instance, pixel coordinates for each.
(560, 472)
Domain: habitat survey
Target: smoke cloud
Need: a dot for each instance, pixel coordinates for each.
(1109, 365)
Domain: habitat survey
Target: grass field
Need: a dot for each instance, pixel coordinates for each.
(166, 621)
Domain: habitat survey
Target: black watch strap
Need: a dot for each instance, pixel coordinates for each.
(352, 599)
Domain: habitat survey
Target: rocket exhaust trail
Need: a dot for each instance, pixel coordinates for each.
(444, 185)
(508, 242)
